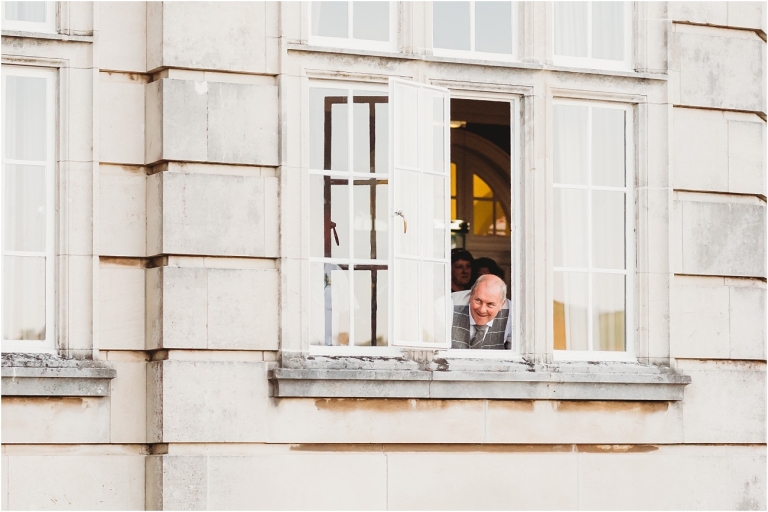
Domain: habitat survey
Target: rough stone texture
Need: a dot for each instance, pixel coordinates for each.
(55, 420)
(230, 217)
(747, 15)
(747, 322)
(122, 211)
(176, 483)
(123, 36)
(746, 157)
(722, 239)
(76, 482)
(200, 121)
(709, 13)
(191, 409)
(735, 390)
(121, 121)
(122, 307)
(720, 71)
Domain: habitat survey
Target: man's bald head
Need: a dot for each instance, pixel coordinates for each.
(488, 296)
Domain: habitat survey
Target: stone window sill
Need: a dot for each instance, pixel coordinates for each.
(482, 380)
(50, 375)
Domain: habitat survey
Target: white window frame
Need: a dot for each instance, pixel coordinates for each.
(594, 63)
(47, 27)
(358, 44)
(49, 344)
(474, 54)
(628, 354)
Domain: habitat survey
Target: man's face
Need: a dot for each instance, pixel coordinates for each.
(485, 302)
(461, 271)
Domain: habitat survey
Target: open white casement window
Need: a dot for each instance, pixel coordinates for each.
(593, 35)
(593, 231)
(29, 16)
(27, 194)
(377, 278)
(476, 30)
(359, 25)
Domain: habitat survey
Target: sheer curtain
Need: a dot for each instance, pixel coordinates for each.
(571, 29)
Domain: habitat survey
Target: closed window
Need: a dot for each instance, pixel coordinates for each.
(361, 25)
(593, 34)
(29, 16)
(592, 243)
(475, 29)
(28, 208)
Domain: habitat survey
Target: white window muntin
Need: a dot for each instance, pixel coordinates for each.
(472, 53)
(350, 42)
(629, 239)
(591, 62)
(48, 344)
(48, 26)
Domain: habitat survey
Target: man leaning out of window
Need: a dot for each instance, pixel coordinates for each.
(481, 316)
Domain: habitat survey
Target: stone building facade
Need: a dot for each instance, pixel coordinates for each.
(180, 365)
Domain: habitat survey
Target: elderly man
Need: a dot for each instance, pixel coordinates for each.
(481, 316)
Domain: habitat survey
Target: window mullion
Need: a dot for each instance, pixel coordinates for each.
(351, 212)
(590, 326)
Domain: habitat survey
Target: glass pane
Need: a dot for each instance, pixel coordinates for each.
(24, 298)
(501, 227)
(25, 116)
(608, 157)
(433, 288)
(608, 30)
(406, 125)
(450, 25)
(453, 209)
(483, 210)
(570, 297)
(493, 27)
(371, 204)
(328, 129)
(371, 306)
(329, 218)
(436, 147)
(25, 11)
(608, 221)
(406, 302)
(407, 201)
(24, 210)
(608, 310)
(433, 207)
(570, 144)
(329, 19)
(480, 188)
(571, 29)
(370, 20)
(570, 219)
(370, 132)
(453, 179)
(329, 312)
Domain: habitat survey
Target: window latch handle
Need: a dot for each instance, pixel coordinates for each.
(405, 221)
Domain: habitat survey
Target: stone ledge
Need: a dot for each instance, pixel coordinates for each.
(516, 382)
(50, 375)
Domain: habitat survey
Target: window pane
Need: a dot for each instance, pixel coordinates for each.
(371, 307)
(608, 310)
(453, 179)
(371, 205)
(608, 157)
(570, 296)
(329, 19)
(407, 292)
(329, 222)
(480, 188)
(433, 289)
(608, 30)
(570, 144)
(407, 200)
(328, 129)
(493, 27)
(406, 125)
(24, 210)
(483, 213)
(501, 227)
(571, 29)
(450, 25)
(25, 11)
(370, 138)
(329, 308)
(608, 220)
(433, 207)
(570, 219)
(25, 113)
(24, 298)
(370, 20)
